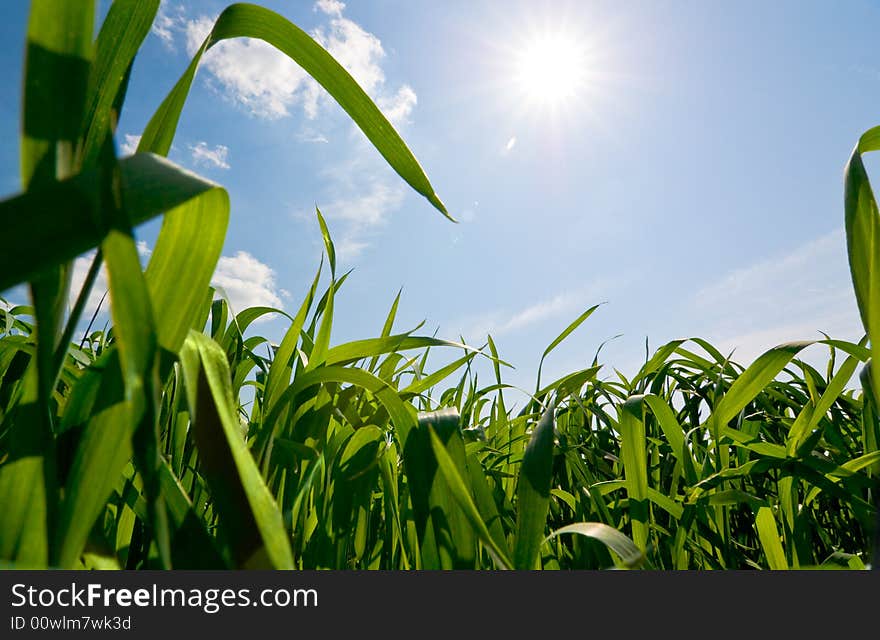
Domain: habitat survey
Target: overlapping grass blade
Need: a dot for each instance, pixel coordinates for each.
(250, 517)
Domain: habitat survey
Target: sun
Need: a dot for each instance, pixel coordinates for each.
(550, 69)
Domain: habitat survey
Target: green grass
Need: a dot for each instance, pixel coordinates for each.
(178, 437)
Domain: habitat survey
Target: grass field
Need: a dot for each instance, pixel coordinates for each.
(181, 438)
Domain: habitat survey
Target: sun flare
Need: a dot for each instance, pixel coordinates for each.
(550, 69)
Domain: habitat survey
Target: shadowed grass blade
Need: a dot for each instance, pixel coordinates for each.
(533, 492)
(462, 496)
(248, 512)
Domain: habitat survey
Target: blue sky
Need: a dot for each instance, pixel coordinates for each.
(693, 180)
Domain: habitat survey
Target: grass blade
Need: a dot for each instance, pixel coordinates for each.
(533, 492)
(250, 21)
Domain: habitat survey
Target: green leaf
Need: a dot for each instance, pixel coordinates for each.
(624, 548)
(634, 447)
(862, 222)
(104, 449)
(754, 379)
(562, 336)
(62, 220)
(281, 367)
(328, 243)
(248, 512)
(57, 61)
(462, 496)
(533, 492)
(250, 21)
(351, 352)
(768, 534)
(122, 33)
(183, 262)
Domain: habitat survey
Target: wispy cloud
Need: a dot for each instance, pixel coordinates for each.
(398, 107)
(248, 282)
(790, 297)
(252, 73)
(129, 144)
(510, 145)
(366, 209)
(498, 322)
(267, 83)
(215, 156)
(330, 7)
(169, 20)
(311, 136)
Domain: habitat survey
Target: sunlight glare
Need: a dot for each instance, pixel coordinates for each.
(550, 69)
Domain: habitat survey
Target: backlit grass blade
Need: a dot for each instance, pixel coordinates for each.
(136, 341)
(281, 368)
(62, 220)
(533, 492)
(123, 31)
(57, 61)
(250, 21)
(351, 352)
(562, 336)
(318, 353)
(104, 449)
(624, 548)
(633, 447)
(754, 379)
(769, 537)
(862, 221)
(386, 328)
(328, 243)
(183, 262)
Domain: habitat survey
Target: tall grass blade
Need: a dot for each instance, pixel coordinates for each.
(250, 21)
(533, 492)
(248, 512)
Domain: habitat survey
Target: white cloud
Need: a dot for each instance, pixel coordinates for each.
(268, 84)
(791, 297)
(359, 51)
(398, 107)
(367, 209)
(349, 247)
(210, 156)
(253, 74)
(311, 136)
(510, 145)
(330, 7)
(169, 19)
(129, 145)
(247, 282)
(498, 323)
(144, 250)
(81, 268)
